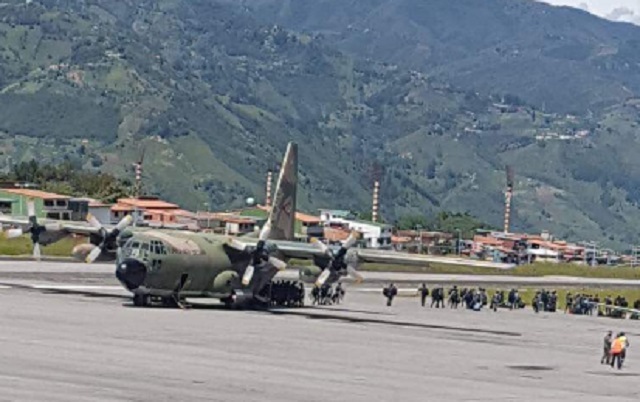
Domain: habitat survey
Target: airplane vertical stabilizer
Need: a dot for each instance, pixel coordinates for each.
(283, 211)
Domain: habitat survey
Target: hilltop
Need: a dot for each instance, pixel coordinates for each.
(213, 90)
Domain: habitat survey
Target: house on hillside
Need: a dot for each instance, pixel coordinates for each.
(47, 205)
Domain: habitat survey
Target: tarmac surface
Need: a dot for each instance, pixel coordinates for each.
(67, 337)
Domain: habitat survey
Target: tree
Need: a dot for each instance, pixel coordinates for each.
(411, 222)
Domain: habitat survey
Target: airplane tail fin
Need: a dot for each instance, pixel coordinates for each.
(282, 215)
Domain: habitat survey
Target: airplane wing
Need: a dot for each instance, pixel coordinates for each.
(309, 251)
(68, 227)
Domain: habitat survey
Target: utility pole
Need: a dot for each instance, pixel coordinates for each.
(376, 172)
(507, 198)
(268, 189)
(137, 186)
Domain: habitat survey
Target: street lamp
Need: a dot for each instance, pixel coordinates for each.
(458, 242)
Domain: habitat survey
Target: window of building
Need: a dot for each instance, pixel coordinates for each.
(53, 215)
(66, 216)
(48, 203)
(61, 203)
(5, 207)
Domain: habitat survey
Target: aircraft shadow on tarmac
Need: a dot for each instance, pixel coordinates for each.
(315, 313)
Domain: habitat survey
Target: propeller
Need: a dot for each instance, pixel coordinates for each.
(260, 257)
(33, 228)
(341, 263)
(108, 236)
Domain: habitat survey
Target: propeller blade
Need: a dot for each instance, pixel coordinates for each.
(265, 231)
(236, 244)
(323, 277)
(93, 255)
(52, 227)
(31, 208)
(351, 240)
(323, 247)
(248, 275)
(126, 221)
(13, 233)
(354, 273)
(278, 263)
(36, 251)
(93, 221)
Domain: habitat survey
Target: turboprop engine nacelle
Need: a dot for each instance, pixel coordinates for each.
(310, 274)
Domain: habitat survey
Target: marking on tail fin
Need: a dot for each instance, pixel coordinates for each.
(283, 210)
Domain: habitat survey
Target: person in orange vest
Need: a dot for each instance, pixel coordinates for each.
(618, 347)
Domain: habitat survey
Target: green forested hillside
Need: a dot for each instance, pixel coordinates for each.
(212, 91)
(560, 58)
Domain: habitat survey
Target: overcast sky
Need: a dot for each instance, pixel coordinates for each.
(618, 10)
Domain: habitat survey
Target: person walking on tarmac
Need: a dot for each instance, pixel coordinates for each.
(606, 356)
(625, 346)
(618, 347)
(390, 292)
(424, 292)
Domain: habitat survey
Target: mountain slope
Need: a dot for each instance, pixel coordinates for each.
(560, 58)
(213, 94)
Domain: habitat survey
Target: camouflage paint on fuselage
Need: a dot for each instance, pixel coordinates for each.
(168, 256)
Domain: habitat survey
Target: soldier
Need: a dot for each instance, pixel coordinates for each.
(339, 293)
(454, 299)
(607, 303)
(390, 292)
(315, 295)
(553, 302)
(424, 292)
(606, 356)
(568, 303)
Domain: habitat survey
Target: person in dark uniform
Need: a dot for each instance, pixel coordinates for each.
(606, 355)
(390, 292)
(424, 292)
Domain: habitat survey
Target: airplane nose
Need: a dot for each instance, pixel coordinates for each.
(131, 273)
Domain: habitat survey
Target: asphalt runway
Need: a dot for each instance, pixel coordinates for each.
(58, 345)
(103, 274)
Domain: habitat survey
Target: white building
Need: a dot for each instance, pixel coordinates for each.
(374, 235)
(100, 210)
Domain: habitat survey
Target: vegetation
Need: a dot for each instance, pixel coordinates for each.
(22, 246)
(533, 270)
(69, 179)
(527, 51)
(213, 90)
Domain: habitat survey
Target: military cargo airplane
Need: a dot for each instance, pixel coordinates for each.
(169, 266)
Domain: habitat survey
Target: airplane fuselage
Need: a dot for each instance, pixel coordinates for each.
(160, 263)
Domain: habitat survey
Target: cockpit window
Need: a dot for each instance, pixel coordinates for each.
(158, 247)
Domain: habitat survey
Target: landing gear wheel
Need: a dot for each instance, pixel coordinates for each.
(141, 300)
(169, 302)
(229, 302)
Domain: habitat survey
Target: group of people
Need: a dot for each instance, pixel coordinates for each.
(287, 293)
(545, 301)
(592, 304)
(615, 349)
(471, 298)
(327, 295)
